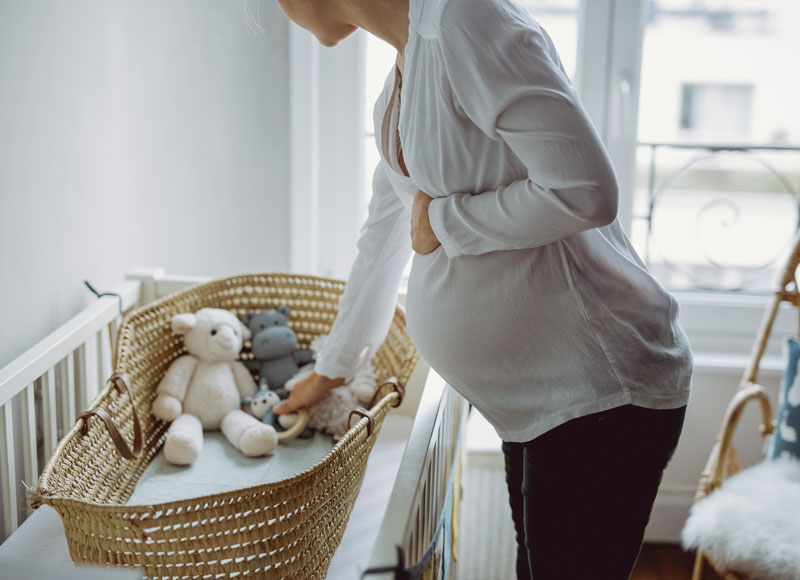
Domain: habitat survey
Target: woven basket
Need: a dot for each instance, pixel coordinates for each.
(285, 529)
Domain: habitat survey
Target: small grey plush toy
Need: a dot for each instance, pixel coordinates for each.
(275, 352)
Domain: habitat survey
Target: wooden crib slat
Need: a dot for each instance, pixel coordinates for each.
(68, 413)
(8, 473)
(114, 329)
(49, 412)
(104, 345)
(30, 459)
(87, 372)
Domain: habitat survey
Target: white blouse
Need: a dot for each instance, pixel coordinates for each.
(535, 307)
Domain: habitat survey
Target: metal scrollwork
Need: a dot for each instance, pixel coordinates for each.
(735, 239)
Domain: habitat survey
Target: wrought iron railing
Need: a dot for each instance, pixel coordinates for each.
(707, 221)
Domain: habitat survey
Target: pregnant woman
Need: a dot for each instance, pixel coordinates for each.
(525, 294)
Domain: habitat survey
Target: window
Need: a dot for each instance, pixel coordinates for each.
(717, 175)
(693, 100)
(716, 111)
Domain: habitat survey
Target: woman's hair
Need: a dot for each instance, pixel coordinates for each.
(252, 18)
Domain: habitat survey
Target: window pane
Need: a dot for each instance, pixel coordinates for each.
(380, 60)
(717, 164)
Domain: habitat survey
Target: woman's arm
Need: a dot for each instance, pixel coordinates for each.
(367, 306)
(506, 76)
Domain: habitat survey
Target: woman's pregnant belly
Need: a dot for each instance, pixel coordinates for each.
(495, 318)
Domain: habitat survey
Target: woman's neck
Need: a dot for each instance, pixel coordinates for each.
(386, 19)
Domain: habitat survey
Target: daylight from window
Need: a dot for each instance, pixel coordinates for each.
(718, 162)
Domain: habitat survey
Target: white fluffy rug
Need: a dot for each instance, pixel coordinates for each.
(751, 524)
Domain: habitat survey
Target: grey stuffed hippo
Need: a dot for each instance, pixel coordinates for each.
(275, 352)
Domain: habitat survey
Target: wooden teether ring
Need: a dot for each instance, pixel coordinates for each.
(297, 428)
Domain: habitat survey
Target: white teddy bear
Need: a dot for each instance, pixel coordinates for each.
(203, 389)
(332, 414)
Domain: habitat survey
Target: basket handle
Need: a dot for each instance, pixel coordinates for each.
(364, 413)
(120, 381)
(379, 392)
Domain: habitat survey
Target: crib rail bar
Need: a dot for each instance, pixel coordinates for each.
(69, 411)
(30, 459)
(420, 487)
(31, 364)
(432, 488)
(49, 412)
(88, 372)
(155, 284)
(170, 284)
(8, 471)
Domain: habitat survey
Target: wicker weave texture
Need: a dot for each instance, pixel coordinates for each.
(286, 529)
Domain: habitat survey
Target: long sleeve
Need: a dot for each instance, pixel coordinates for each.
(368, 303)
(506, 76)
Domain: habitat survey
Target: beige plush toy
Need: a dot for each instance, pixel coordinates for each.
(203, 389)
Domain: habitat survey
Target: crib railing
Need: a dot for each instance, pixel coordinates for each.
(417, 524)
(43, 390)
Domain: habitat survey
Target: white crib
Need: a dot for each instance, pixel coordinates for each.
(407, 510)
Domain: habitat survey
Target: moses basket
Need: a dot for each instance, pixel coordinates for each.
(286, 529)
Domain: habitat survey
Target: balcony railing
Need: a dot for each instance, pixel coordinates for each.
(716, 217)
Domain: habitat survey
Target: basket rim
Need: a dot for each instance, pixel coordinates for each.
(244, 277)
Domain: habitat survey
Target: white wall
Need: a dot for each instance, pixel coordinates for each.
(144, 132)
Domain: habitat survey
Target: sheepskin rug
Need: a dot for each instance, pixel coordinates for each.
(751, 524)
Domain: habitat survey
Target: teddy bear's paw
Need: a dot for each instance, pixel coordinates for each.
(166, 407)
(287, 421)
(258, 440)
(181, 448)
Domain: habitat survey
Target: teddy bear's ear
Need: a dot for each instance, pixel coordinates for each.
(247, 317)
(283, 309)
(246, 334)
(183, 323)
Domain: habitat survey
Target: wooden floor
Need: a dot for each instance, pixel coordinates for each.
(666, 562)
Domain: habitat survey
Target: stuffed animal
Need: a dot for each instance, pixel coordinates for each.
(203, 389)
(275, 353)
(260, 405)
(332, 414)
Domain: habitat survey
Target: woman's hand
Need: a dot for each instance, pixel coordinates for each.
(306, 392)
(423, 240)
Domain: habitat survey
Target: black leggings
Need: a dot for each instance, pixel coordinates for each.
(581, 494)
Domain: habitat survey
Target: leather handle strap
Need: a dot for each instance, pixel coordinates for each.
(380, 392)
(364, 413)
(123, 384)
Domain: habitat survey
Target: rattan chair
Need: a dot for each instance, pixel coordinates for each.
(723, 459)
